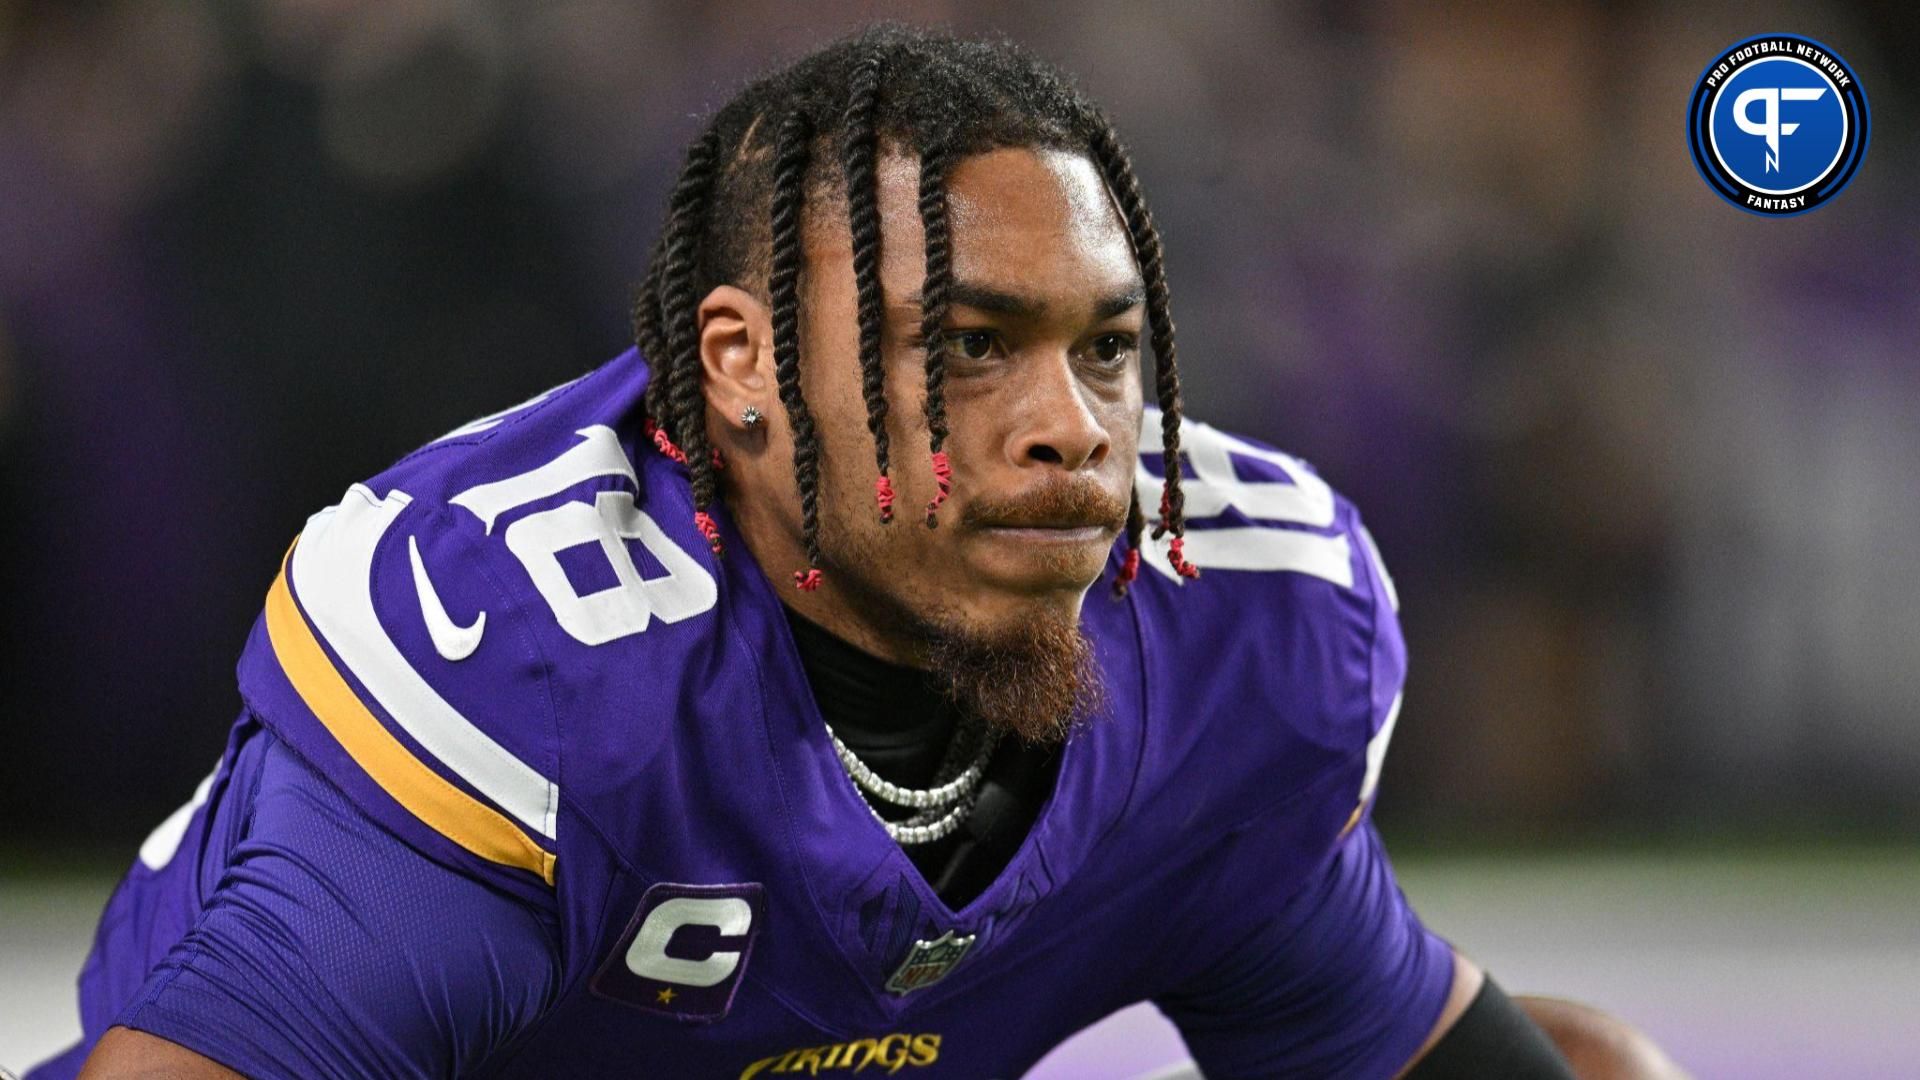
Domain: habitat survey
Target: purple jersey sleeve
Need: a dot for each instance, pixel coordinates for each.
(1338, 980)
(331, 948)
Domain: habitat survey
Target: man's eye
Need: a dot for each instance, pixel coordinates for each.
(970, 344)
(1113, 348)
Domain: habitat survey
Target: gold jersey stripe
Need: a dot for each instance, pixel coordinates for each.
(426, 794)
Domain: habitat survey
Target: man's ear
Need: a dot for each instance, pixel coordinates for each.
(736, 353)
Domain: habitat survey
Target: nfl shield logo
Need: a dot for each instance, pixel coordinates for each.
(929, 961)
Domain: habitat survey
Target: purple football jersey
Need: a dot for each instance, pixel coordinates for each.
(513, 653)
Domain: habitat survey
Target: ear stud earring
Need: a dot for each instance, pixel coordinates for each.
(750, 416)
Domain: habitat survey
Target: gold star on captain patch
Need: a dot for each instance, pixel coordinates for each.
(665, 996)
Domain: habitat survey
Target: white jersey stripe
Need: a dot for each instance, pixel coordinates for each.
(331, 578)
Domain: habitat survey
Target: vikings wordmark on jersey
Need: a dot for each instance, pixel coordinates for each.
(511, 663)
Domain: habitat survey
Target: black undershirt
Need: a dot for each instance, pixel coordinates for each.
(1494, 1037)
(897, 721)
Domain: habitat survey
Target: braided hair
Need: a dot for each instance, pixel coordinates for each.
(735, 216)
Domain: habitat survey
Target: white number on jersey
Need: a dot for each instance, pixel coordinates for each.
(1212, 486)
(628, 606)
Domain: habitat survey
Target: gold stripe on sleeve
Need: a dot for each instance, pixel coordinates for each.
(426, 794)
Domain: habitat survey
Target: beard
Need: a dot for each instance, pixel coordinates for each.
(1033, 676)
(1036, 679)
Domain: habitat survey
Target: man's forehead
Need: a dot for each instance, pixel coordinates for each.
(1038, 225)
(1025, 189)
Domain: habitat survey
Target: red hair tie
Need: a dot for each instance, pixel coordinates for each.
(1179, 560)
(708, 529)
(943, 481)
(807, 581)
(1129, 570)
(663, 443)
(665, 446)
(883, 494)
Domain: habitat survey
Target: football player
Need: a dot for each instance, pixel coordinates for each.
(856, 675)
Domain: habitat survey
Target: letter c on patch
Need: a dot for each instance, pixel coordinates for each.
(647, 956)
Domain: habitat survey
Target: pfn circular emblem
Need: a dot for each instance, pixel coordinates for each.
(1778, 124)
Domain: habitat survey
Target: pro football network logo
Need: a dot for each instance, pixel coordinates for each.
(1778, 124)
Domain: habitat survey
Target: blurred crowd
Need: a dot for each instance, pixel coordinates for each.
(1643, 465)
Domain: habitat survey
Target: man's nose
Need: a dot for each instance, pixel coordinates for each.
(1055, 425)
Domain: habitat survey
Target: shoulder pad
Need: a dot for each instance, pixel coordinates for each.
(408, 644)
(1287, 648)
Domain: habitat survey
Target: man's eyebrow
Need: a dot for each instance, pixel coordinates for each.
(1001, 302)
(1120, 302)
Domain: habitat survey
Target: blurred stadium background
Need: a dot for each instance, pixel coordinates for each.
(1644, 466)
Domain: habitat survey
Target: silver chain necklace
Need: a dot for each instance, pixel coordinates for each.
(941, 808)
